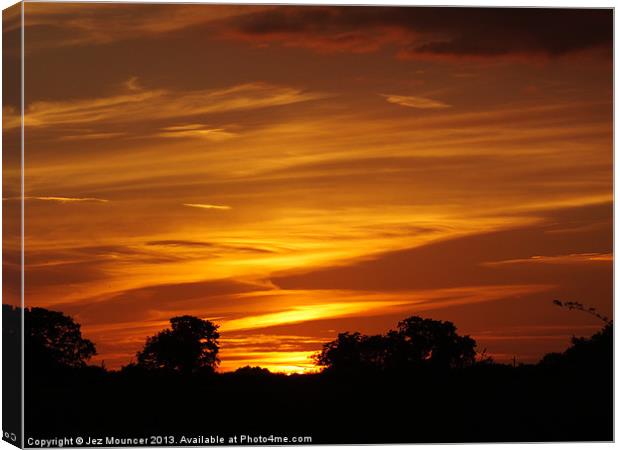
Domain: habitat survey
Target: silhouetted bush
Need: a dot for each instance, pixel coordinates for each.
(249, 371)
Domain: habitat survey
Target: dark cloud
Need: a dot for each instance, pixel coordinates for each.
(477, 32)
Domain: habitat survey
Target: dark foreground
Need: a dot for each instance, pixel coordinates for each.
(484, 403)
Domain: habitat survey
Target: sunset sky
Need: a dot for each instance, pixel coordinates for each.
(294, 172)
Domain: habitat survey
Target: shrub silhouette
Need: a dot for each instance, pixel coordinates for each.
(417, 343)
(53, 340)
(190, 346)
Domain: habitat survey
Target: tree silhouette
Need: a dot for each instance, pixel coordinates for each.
(569, 396)
(346, 353)
(435, 343)
(55, 340)
(190, 346)
(416, 343)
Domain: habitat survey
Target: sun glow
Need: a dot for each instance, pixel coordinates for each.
(277, 362)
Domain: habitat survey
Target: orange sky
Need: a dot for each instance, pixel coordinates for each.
(294, 172)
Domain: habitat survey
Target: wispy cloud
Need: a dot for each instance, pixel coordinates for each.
(574, 258)
(310, 305)
(207, 206)
(90, 136)
(63, 199)
(209, 246)
(196, 131)
(416, 102)
(306, 313)
(134, 104)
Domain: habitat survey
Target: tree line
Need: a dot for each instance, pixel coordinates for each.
(190, 345)
(422, 381)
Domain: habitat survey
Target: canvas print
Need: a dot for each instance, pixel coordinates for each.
(297, 225)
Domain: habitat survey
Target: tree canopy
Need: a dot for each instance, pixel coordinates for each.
(189, 346)
(587, 353)
(435, 342)
(417, 343)
(55, 340)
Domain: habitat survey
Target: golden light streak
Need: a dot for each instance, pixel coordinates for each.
(366, 303)
(207, 206)
(68, 199)
(306, 313)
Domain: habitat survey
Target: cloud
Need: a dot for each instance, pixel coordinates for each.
(132, 84)
(62, 274)
(573, 258)
(276, 352)
(310, 305)
(209, 245)
(428, 31)
(416, 102)
(306, 313)
(91, 136)
(160, 301)
(96, 24)
(196, 131)
(63, 199)
(414, 31)
(207, 206)
(183, 243)
(134, 105)
(62, 266)
(461, 261)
